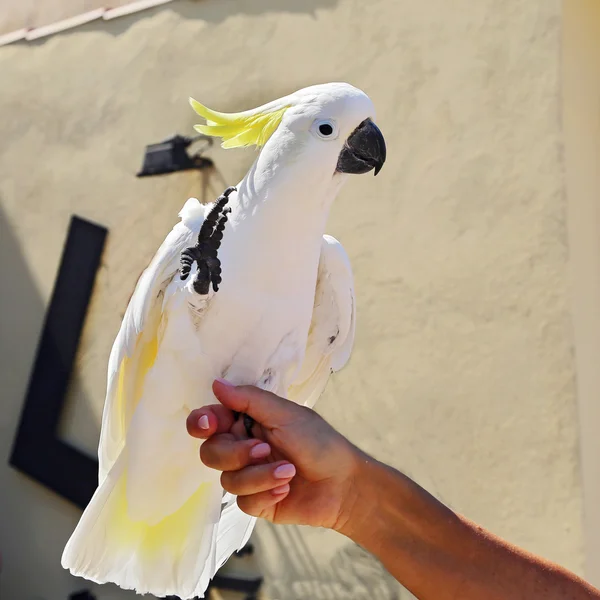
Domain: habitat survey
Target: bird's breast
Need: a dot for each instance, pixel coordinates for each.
(249, 329)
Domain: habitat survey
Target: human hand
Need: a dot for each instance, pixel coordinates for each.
(297, 468)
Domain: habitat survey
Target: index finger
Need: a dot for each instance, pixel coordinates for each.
(266, 408)
(209, 420)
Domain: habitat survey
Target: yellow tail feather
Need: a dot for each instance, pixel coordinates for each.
(175, 556)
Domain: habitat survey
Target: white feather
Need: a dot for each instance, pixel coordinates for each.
(333, 324)
(146, 299)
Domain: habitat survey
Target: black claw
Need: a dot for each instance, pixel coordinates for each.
(205, 252)
(218, 211)
(248, 422)
(188, 256)
(248, 425)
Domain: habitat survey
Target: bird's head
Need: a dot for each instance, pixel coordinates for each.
(331, 126)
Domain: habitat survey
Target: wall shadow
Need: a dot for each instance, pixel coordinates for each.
(351, 573)
(35, 522)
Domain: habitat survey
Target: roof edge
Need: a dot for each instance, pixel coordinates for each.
(106, 14)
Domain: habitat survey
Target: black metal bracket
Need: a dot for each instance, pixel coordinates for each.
(250, 587)
(170, 156)
(37, 449)
(82, 595)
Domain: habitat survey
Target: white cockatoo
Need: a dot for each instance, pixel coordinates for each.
(247, 288)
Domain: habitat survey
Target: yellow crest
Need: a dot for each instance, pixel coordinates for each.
(250, 128)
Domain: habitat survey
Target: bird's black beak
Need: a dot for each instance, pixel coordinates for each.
(363, 151)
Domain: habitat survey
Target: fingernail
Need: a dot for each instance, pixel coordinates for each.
(224, 382)
(282, 489)
(284, 471)
(203, 422)
(260, 450)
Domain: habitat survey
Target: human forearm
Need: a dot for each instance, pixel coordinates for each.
(434, 552)
(440, 555)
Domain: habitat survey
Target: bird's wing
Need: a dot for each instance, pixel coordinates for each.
(135, 347)
(328, 348)
(331, 334)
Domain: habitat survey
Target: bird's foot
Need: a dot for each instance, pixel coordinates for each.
(205, 252)
(248, 422)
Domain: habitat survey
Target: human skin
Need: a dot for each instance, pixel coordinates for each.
(298, 469)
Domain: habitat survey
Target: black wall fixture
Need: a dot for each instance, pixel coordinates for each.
(37, 449)
(170, 156)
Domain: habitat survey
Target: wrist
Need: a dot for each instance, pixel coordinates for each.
(359, 509)
(384, 507)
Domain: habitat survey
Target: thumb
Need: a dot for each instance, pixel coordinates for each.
(266, 408)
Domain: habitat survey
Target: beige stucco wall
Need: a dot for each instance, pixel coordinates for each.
(463, 373)
(581, 118)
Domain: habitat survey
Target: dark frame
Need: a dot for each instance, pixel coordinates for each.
(37, 450)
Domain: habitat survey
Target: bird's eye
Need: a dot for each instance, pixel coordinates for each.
(325, 129)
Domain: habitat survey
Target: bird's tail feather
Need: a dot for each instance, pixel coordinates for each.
(176, 556)
(234, 529)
